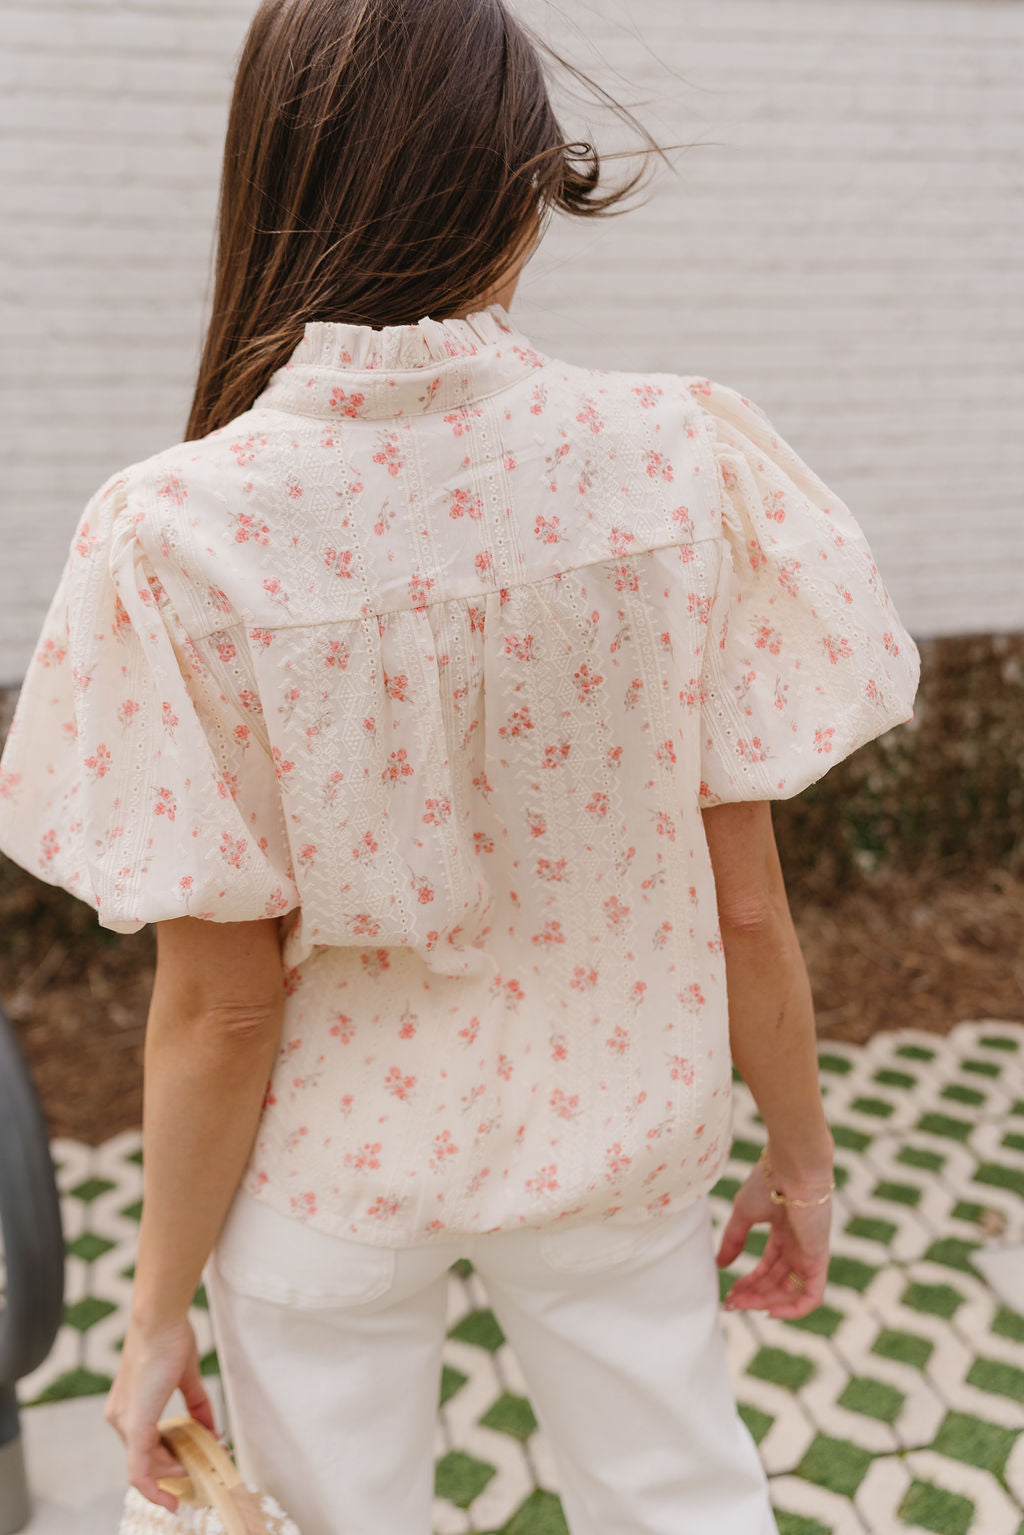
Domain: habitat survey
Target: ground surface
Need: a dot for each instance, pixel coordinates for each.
(895, 1408)
(920, 952)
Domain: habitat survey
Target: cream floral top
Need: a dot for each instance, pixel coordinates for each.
(436, 653)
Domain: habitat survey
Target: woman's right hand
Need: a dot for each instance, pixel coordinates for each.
(798, 1245)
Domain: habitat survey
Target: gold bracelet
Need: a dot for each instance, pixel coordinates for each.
(777, 1197)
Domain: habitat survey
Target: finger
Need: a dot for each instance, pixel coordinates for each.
(197, 1402)
(164, 1462)
(772, 1261)
(799, 1302)
(771, 1289)
(753, 1277)
(796, 1304)
(733, 1238)
(801, 1292)
(792, 1311)
(141, 1477)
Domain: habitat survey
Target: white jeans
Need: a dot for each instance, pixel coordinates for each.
(330, 1354)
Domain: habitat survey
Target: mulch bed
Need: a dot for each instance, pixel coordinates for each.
(892, 952)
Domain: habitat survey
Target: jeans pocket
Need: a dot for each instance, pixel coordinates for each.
(595, 1247)
(274, 1257)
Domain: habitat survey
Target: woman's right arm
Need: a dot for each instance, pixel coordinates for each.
(772, 1038)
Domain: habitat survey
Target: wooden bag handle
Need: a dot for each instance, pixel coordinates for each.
(213, 1479)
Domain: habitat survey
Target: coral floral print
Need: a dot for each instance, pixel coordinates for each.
(437, 653)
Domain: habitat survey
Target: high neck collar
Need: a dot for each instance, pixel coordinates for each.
(342, 370)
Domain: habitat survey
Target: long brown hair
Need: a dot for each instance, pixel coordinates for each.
(385, 160)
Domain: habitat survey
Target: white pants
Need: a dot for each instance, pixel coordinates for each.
(330, 1354)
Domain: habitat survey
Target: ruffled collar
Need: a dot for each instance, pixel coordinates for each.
(340, 369)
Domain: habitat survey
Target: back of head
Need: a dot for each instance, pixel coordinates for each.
(385, 160)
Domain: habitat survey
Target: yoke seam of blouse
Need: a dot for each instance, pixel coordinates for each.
(354, 618)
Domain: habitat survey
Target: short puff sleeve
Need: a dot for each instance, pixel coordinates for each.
(130, 776)
(805, 657)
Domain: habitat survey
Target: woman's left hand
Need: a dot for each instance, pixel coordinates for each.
(154, 1363)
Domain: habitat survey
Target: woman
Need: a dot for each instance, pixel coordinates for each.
(430, 698)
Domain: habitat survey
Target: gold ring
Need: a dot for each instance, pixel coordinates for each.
(796, 1279)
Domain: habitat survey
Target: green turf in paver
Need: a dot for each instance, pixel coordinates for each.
(982, 1068)
(897, 1193)
(971, 1439)
(942, 1124)
(88, 1247)
(462, 1267)
(999, 1042)
(744, 1151)
(756, 1242)
(997, 1376)
(878, 1107)
(132, 1212)
(87, 1312)
(1013, 1142)
(835, 1063)
(965, 1210)
(481, 1328)
(1008, 1324)
(874, 1230)
(850, 1139)
(726, 1188)
(914, 1053)
(90, 1189)
(209, 1364)
(129, 1272)
(1017, 1107)
(916, 1156)
(725, 1282)
(957, 1093)
(73, 1383)
(998, 1176)
(511, 1414)
(799, 1524)
(135, 1156)
(890, 1078)
(841, 1174)
(933, 1299)
(452, 1380)
(850, 1272)
(872, 1398)
(933, 1508)
(954, 1253)
(822, 1321)
(835, 1464)
(904, 1347)
(460, 1478)
(541, 1514)
(757, 1422)
(782, 1368)
(199, 1299)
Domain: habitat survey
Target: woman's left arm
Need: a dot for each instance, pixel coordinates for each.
(211, 1037)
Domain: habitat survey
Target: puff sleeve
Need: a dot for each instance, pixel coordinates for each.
(805, 657)
(130, 776)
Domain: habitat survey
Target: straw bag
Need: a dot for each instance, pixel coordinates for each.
(212, 1499)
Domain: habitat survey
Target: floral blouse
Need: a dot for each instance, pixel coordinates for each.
(437, 653)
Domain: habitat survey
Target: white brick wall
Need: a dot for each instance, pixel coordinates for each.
(843, 247)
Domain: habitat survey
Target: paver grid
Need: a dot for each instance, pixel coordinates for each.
(896, 1406)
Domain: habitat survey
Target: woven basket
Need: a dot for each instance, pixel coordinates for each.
(212, 1498)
